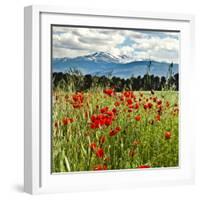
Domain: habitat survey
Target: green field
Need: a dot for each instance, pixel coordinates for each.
(105, 130)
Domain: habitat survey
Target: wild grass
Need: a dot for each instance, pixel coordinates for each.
(146, 137)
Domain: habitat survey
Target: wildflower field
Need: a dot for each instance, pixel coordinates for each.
(101, 129)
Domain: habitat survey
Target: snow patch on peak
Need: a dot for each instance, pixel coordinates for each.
(102, 56)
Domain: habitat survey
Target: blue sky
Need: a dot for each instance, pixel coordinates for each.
(135, 44)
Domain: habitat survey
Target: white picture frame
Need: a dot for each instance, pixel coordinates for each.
(37, 138)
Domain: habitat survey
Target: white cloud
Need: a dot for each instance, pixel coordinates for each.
(72, 42)
(156, 43)
(84, 40)
(160, 49)
(64, 52)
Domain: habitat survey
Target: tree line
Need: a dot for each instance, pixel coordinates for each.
(74, 80)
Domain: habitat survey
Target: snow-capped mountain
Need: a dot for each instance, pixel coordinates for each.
(102, 57)
(102, 63)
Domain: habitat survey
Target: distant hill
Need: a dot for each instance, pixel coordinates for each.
(101, 63)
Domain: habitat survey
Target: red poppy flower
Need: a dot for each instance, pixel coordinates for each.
(93, 146)
(159, 109)
(168, 135)
(154, 99)
(159, 102)
(129, 101)
(103, 110)
(130, 106)
(114, 110)
(143, 166)
(157, 117)
(146, 106)
(93, 118)
(100, 153)
(122, 98)
(127, 94)
(77, 100)
(105, 118)
(118, 128)
(93, 126)
(100, 167)
(110, 113)
(102, 139)
(108, 121)
(159, 106)
(114, 131)
(167, 104)
(150, 105)
(137, 105)
(77, 105)
(109, 92)
(117, 103)
(78, 97)
(67, 120)
(56, 124)
(137, 117)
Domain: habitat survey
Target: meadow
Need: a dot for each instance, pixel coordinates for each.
(101, 129)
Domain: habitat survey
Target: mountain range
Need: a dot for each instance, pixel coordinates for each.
(102, 63)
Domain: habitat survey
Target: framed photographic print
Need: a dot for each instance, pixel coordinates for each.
(106, 99)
